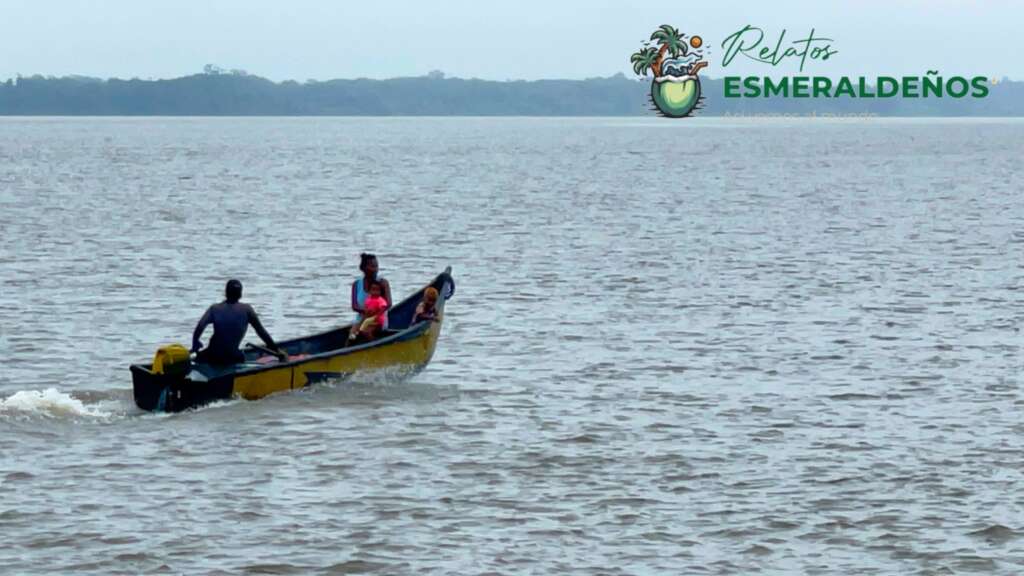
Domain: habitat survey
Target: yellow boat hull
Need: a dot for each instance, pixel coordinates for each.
(405, 357)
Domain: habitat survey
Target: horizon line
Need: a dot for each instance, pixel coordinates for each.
(432, 75)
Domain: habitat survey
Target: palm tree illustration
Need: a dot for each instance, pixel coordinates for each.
(670, 41)
(643, 60)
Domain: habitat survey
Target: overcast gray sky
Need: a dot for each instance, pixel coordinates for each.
(528, 39)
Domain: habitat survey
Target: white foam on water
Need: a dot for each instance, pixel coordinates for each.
(386, 376)
(215, 405)
(51, 403)
(211, 406)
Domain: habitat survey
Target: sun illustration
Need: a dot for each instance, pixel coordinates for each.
(674, 63)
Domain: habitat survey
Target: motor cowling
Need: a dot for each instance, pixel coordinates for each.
(172, 360)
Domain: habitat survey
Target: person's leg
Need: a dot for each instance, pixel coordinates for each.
(368, 329)
(353, 332)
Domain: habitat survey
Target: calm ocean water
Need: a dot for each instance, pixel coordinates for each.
(700, 347)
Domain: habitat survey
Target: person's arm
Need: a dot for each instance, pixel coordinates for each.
(355, 303)
(254, 320)
(197, 334)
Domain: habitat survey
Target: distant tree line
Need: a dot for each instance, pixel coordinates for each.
(236, 93)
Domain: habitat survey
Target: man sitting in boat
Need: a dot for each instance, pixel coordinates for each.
(230, 320)
(361, 289)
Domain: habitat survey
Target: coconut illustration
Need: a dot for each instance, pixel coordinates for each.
(675, 90)
(676, 96)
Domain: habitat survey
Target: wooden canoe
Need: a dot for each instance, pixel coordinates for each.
(402, 350)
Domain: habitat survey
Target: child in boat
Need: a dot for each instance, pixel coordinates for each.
(426, 310)
(374, 310)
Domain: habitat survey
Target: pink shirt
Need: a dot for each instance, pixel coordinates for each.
(375, 306)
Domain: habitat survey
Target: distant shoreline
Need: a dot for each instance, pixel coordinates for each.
(238, 94)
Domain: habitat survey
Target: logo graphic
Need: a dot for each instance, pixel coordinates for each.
(675, 90)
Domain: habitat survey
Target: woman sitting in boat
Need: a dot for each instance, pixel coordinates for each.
(361, 291)
(426, 310)
(374, 314)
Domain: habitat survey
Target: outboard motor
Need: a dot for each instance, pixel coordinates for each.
(171, 366)
(172, 361)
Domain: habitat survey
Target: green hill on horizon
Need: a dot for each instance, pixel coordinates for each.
(240, 94)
